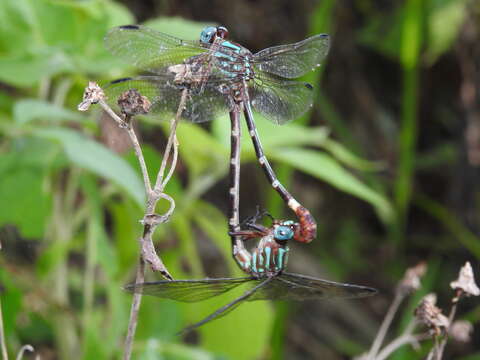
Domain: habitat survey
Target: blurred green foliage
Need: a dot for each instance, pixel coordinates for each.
(76, 203)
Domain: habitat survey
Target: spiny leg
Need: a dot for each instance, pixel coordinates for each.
(224, 310)
(308, 227)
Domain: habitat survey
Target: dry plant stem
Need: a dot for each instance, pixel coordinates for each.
(132, 323)
(150, 222)
(172, 141)
(26, 348)
(136, 145)
(441, 346)
(2, 336)
(400, 341)
(382, 332)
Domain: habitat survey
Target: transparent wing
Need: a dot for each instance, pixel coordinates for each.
(164, 96)
(187, 290)
(289, 286)
(293, 60)
(279, 100)
(224, 310)
(149, 49)
(154, 51)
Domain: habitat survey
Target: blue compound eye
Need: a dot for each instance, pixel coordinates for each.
(207, 34)
(283, 233)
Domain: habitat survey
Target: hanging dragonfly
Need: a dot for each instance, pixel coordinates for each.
(267, 279)
(223, 76)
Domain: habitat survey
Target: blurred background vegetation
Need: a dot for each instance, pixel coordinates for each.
(387, 160)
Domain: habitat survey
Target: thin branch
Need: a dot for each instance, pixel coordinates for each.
(451, 316)
(135, 143)
(94, 94)
(133, 321)
(172, 141)
(3, 345)
(382, 332)
(400, 341)
(26, 348)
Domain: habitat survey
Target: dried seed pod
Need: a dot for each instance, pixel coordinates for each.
(411, 279)
(466, 281)
(92, 95)
(429, 314)
(131, 102)
(461, 330)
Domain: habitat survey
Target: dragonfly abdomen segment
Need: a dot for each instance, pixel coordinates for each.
(307, 229)
(269, 258)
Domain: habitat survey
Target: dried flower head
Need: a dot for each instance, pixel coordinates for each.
(461, 330)
(92, 95)
(131, 102)
(466, 281)
(430, 315)
(411, 279)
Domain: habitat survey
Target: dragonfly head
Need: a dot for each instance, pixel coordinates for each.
(284, 231)
(209, 34)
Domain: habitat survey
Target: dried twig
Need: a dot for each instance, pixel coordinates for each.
(3, 345)
(410, 282)
(464, 286)
(133, 103)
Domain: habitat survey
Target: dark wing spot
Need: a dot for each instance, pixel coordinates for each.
(308, 86)
(129, 27)
(120, 80)
(324, 36)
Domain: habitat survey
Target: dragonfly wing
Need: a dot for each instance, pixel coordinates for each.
(187, 290)
(279, 100)
(164, 96)
(289, 286)
(224, 310)
(293, 60)
(149, 49)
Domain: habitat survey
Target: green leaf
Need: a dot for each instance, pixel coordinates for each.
(24, 171)
(322, 166)
(210, 156)
(95, 157)
(27, 69)
(271, 135)
(155, 349)
(26, 203)
(445, 20)
(30, 109)
(348, 158)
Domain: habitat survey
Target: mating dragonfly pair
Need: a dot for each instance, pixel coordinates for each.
(223, 76)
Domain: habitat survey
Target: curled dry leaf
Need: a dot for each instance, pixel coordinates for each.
(92, 95)
(461, 330)
(429, 314)
(466, 281)
(411, 279)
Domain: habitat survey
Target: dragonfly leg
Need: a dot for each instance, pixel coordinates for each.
(250, 234)
(306, 230)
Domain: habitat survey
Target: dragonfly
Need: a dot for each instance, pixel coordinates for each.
(267, 279)
(220, 76)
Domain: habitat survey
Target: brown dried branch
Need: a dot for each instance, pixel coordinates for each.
(409, 283)
(133, 103)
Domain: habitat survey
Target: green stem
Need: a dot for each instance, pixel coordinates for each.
(410, 52)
